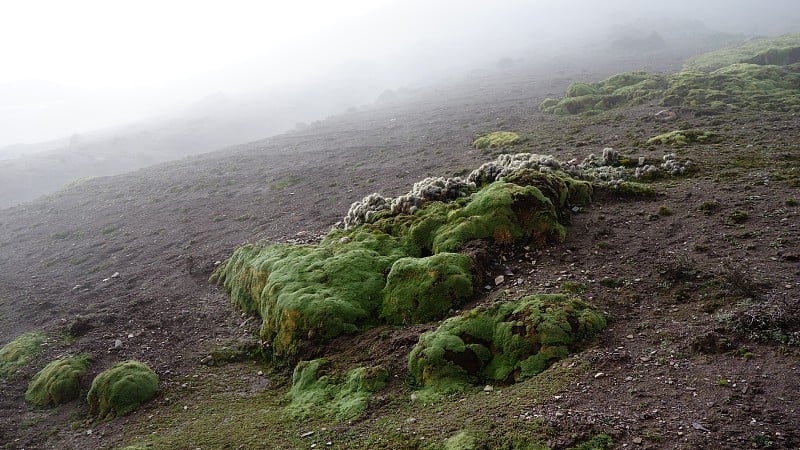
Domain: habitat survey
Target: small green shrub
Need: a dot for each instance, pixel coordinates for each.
(20, 352)
(738, 216)
(497, 139)
(504, 343)
(121, 389)
(58, 382)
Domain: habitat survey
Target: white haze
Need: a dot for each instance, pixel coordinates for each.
(76, 66)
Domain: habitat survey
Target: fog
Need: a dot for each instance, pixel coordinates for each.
(82, 70)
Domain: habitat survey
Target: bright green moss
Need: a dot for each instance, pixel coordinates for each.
(504, 343)
(314, 393)
(58, 382)
(461, 441)
(20, 352)
(399, 269)
(681, 138)
(121, 389)
(497, 139)
(425, 289)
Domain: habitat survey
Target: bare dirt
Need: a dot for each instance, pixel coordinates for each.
(128, 258)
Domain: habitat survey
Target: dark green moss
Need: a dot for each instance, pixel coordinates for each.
(58, 382)
(504, 343)
(121, 389)
(497, 139)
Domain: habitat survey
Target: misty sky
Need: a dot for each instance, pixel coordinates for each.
(78, 65)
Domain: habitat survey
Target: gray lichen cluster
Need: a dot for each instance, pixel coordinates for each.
(606, 169)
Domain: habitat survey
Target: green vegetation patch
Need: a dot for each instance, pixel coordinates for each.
(400, 268)
(497, 139)
(762, 75)
(20, 352)
(771, 50)
(314, 393)
(503, 343)
(121, 389)
(681, 138)
(59, 381)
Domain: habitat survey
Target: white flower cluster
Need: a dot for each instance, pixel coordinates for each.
(506, 164)
(672, 166)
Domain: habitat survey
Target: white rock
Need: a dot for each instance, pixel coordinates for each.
(498, 280)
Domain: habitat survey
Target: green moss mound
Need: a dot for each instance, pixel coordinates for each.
(425, 289)
(504, 343)
(59, 382)
(401, 268)
(681, 138)
(497, 139)
(121, 389)
(769, 50)
(762, 75)
(20, 352)
(315, 393)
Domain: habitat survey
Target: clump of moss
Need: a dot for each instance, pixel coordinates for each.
(461, 441)
(761, 75)
(768, 50)
(504, 343)
(121, 389)
(497, 139)
(596, 442)
(380, 272)
(20, 352)
(737, 216)
(681, 138)
(315, 393)
(424, 289)
(58, 382)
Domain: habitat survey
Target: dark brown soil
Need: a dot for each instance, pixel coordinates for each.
(667, 373)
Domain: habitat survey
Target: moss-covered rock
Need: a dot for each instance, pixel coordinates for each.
(680, 138)
(424, 289)
(315, 393)
(497, 139)
(121, 389)
(20, 352)
(503, 343)
(762, 75)
(768, 50)
(399, 268)
(58, 382)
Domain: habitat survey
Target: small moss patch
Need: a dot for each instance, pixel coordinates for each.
(315, 393)
(681, 138)
(121, 389)
(504, 343)
(20, 352)
(58, 382)
(498, 139)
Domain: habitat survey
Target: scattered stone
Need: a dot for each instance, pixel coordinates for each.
(498, 280)
(665, 115)
(344, 240)
(699, 426)
(637, 440)
(488, 388)
(307, 434)
(115, 275)
(117, 345)
(599, 375)
(630, 336)
(208, 361)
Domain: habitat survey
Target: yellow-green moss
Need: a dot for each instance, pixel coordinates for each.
(20, 352)
(58, 382)
(121, 389)
(315, 393)
(747, 52)
(497, 139)
(680, 138)
(504, 343)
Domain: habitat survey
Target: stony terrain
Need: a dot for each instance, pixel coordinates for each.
(700, 282)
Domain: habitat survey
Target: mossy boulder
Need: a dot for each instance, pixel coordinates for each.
(497, 139)
(20, 352)
(503, 343)
(121, 389)
(425, 289)
(681, 138)
(399, 268)
(776, 50)
(316, 393)
(59, 381)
